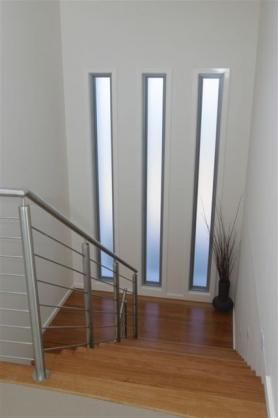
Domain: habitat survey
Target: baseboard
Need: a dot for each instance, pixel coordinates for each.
(151, 292)
(55, 311)
(234, 329)
(269, 398)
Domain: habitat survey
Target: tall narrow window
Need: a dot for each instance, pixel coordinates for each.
(101, 94)
(154, 122)
(208, 125)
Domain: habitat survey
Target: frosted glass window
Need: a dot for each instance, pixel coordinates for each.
(154, 87)
(104, 176)
(206, 163)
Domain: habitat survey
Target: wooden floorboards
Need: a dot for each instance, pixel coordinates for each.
(159, 320)
(182, 363)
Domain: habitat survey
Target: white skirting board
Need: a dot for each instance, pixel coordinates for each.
(55, 311)
(269, 398)
(234, 329)
(266, 380)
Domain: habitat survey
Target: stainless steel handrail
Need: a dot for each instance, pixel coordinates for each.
(23, 193)
(34, 306)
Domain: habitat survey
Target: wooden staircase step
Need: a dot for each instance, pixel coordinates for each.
(180, 401)
(185, 362)
(230, 355)
(161, 374)
(201, 350)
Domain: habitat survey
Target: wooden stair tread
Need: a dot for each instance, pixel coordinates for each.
(161, 374)
(189, 369)
(234, 361)
(117, 354)
(179, 401)
(164, 345)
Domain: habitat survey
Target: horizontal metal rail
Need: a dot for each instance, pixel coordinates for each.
(56, 240)
(8, 356)
(61, 347)
(126, 278)
(21, 193)
(11, 256)
(64, 326)
(12, 238)
(101, 265)
(58, 263)
(105, 312)
(102, 281)
(61, 286)
(109, 283)
(73, 307)
(15, 326)
(8, 292)
(110, 296)
(16, 342)
(9, 218)
(11, 275)
(14, 310)
(106, 326)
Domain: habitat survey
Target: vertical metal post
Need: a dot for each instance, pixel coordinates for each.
(32, 291)
(88, 294)
(117, 300)
(125, 318)
(135, 306)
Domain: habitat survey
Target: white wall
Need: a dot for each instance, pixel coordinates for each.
(176, 37)
(33, 143)
(257, 292)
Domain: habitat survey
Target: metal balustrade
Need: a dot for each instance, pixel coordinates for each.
(120, 296)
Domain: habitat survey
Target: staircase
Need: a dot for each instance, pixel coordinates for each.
(32, 292)
(182, 379)
(182, 363)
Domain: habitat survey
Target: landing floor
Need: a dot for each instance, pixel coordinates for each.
(182, 364)
(159, 320)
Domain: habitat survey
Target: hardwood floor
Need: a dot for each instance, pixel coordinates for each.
(160, 320)
(182, 363)
(183, 322)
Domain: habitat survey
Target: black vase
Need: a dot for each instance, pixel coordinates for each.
(223, 302)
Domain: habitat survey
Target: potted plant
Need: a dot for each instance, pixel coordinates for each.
(224, 253)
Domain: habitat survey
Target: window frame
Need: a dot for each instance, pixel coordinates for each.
(93, 77)
(201, 76)
(145, 78)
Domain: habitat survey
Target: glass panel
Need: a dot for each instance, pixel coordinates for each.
(154, 145)
(104, 165)
(207, 155)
